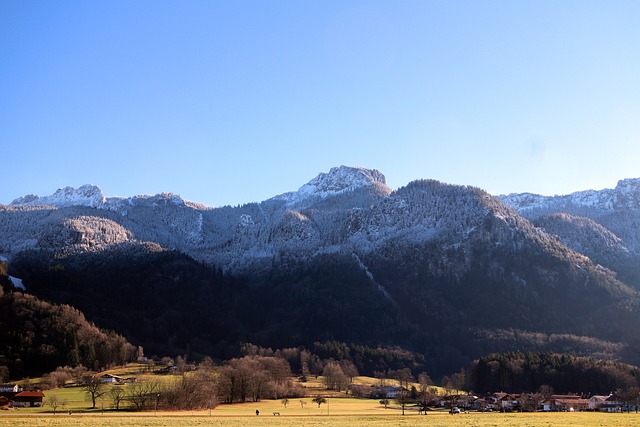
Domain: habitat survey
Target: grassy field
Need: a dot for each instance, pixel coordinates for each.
(337, 412)
(229, 419)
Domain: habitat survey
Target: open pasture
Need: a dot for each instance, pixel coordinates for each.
(351, 413)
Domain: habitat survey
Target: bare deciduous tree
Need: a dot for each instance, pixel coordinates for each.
(54, 401)
(142, 394)
(94, 388)
(404, 378)
(334, 377)
(117, 395)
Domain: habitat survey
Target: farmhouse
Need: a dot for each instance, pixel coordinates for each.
(565, 402)
(509, 402)
(27, 399)
(612, 404)
(111, 379)
(597, 402)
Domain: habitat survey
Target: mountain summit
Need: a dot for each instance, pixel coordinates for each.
(338, 180)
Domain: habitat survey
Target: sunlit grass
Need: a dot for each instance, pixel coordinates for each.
(236, 418)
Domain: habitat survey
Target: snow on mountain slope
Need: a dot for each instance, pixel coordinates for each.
(626, 195)
(86, 195)
(616, 209)
(91, 196)
(17, 283)
(338, 180)
(84, 232)
(348, 209)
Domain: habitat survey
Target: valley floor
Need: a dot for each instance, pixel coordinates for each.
(235, 416)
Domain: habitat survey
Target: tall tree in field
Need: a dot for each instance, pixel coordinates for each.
(334, 377)
(319, 400)
(404, 378)
(54, 401)
(117, 395)
(459, 379)
(425, 382)
(349, 369)
(94, 388)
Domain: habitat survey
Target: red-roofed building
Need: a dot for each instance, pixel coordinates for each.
(27, 399)
(565, 402)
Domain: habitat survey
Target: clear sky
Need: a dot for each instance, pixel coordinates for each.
(228, 102)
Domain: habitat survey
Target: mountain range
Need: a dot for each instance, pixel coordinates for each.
(450, 272)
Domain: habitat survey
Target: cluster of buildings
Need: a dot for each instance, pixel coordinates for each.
(115, 379)
(533, 402)
(15, 397)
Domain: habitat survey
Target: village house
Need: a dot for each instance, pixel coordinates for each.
(465, 401)
(613, 404)
(28, 399)
(494, 401)
(510, 402)
(391, 392)
(480, 404)
(597, 402)
(565, 402)
(111, 379)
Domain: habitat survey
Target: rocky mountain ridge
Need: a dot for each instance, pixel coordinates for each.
(626, 195)
(454, 265)
(347, 208)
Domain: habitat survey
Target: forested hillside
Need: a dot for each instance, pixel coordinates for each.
(530, 372)
(37, 337)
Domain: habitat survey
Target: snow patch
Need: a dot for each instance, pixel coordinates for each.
(381, 288)
(17, 283)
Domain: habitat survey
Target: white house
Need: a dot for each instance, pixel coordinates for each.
(596, 402)
(111, 379)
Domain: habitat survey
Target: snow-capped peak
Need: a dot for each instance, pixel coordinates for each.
(86, 195)
(338, 180)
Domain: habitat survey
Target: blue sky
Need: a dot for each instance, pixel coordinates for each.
(227, 102)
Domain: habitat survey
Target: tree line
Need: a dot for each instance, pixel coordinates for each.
(517, 372)
(267, 374)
